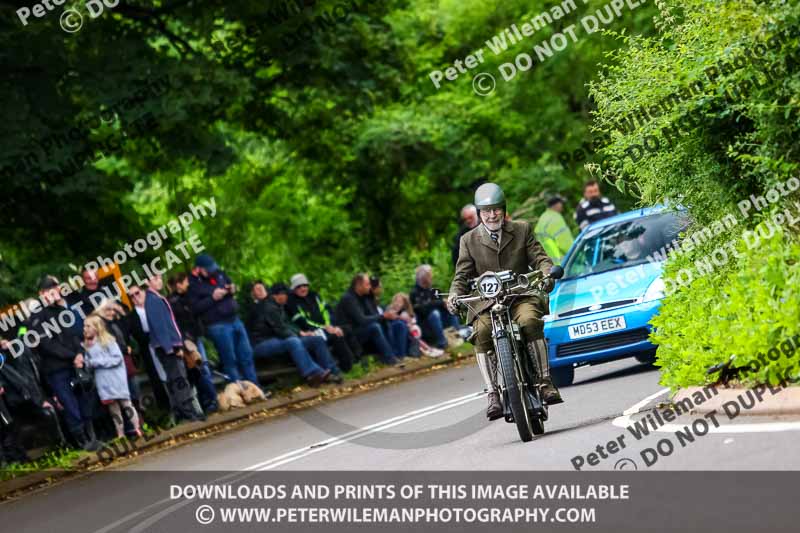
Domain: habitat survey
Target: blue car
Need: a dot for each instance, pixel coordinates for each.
(600, 310)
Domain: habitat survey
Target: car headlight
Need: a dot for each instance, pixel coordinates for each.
(655, 291)
(489, 286)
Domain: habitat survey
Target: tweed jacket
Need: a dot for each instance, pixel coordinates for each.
(518, 250)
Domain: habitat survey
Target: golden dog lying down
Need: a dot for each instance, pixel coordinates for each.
(238, 395)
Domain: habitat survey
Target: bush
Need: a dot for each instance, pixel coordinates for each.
(724, 141)
(743, 310)
(719, 142)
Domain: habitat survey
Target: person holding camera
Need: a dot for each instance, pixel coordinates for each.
(62, 364)
(211, 297)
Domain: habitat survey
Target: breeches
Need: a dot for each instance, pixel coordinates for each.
(527, 314)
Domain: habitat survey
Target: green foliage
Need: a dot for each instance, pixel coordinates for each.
(61, 459)
(743, 142)
(368, 364)
(328, 151)
(743, 311)
(397, 270)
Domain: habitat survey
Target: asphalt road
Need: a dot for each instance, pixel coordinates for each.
(435, 422)
(411, 426)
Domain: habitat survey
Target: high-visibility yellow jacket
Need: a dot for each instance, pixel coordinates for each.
(552, 231)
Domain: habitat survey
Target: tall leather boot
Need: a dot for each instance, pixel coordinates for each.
(538, 349)
(495, 408)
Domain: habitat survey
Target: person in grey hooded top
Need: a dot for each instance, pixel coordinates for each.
(103, 355)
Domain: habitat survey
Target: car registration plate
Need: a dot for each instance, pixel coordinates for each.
(596, 327)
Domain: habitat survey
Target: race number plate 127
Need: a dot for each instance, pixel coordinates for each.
(596, 327)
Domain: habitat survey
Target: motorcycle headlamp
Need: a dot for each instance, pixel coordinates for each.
(489, 286)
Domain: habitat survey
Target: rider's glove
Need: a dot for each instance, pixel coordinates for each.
(548, 285)
(451, 304)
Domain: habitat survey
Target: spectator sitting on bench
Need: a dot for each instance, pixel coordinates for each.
(355, 312)
(272, 333)
(394, 327)
(401, 304)
(431, 312)
(310, 313)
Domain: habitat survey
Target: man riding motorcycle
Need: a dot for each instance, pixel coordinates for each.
(495, 245)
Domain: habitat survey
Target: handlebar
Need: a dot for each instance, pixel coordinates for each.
(525, 282)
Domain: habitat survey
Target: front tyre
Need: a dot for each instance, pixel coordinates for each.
(522, 416)
(537, 425)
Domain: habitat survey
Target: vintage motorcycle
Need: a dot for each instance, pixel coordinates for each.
(521, 383)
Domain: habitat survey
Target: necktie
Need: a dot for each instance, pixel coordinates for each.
(495, 235)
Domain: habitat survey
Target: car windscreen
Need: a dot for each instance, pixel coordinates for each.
(624, 244)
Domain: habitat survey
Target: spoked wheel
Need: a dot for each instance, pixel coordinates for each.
(519, 406)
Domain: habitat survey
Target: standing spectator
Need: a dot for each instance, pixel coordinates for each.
(310, 313)
(11, 451)
(91, 286)
(111, 314)
(593, 207)
(21, 394)
(552, 231)
(192, 330)
(431, 312)
(103, 355)
(61, 354)
(469, 221)
(273, 334)
(211, 297)
(167, 343)
(396, 330)
(356, 310)
(139, 329)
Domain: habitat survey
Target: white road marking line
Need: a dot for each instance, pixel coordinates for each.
(635, 409)
(358, 433)
(625, 420)
(292, 456)
(133, 515)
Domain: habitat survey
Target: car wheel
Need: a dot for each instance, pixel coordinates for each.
(647, 358)
(563, 376)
